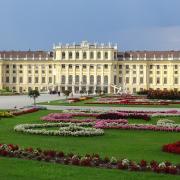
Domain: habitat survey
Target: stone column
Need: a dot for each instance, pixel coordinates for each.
(109, 78)
(66, 76)
(95, 77)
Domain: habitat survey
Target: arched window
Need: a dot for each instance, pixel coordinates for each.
(91, 79)
(70, 55)
(77, 79)
(63, 55)
(105, 80)
(84, 79)
(77, 55)
(63, 79)
(70, 79)
(91, 55)
(84, 55)
(106, 55)
(98, 80)
(99, 55)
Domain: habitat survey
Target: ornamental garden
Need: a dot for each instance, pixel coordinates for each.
(81, 143)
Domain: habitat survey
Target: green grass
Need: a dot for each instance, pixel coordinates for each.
(83, 103)
(135, 145)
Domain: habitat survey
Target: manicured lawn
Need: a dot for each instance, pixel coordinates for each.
(83, 103)
(134, 145)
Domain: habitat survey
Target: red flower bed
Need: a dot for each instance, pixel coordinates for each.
(123, 116)
(88, 160)
(25, 111)
(172, 148)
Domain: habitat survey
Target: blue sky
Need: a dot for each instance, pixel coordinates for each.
(133, 24)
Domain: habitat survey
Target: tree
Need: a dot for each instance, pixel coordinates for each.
(81, 92)
(66, 93)
(33, 94)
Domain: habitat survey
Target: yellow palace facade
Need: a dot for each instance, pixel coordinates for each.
(89, 67)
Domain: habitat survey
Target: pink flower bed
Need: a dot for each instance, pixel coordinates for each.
(106, 124)
(138, 127)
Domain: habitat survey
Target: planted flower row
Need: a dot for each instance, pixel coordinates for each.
(126, 126)
(172, 148)
(123, 116)
(88, 160)
(65, 129)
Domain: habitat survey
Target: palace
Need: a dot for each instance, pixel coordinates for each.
(90, 68)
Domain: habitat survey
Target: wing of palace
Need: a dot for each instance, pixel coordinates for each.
(89, 67)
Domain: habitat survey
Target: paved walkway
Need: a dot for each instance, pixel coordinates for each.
(51, 107)
(9, 102)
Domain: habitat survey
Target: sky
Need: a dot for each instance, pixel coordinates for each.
(132, 24)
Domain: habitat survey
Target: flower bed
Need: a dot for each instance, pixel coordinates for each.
(172, 148)
(88, 160)
(5, 114)
(127, 126)
(123, 116)
(106, 124)
(24, 111)
(65, 129)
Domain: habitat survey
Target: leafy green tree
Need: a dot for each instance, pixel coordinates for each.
(66, 93)
(81, 92)
(33, 94)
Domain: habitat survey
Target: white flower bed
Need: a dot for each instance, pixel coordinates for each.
(167, 123)
(66, 129)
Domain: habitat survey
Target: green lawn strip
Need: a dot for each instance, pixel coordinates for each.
(83, 103)
(18, 169)
(135, 145)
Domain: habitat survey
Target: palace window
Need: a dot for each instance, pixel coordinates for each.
(120, 80)
(50, 79)
(7, 79)
(70, 55)
(77, 55)
(150, 80)
(127, 66)
(77, 79)
(175, 80)
(165, 66)
(84, 79)
(43, 80)
(158, 66)
(98, 80)
(134, 80)
(105, 66)
(84, 55)
(29, 79)
(70, 66)
(14, 66)
(105, 80)
(141, 80)
(14, 79)
(91, 79)
(99, 55)
(106, 55)
(50, 66)
(63, 55)
(120, 66)
(7, 66)
(20, 66)
(141, 66)
(158, 80)
(63, 79)
(175, 66)
(127, 80)
(20, 79)
(63, 66)
(91, 55)
(115, 80)
(134, 66)
(84, 66)
(36, 79)
(165, 80)
(70, 79)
